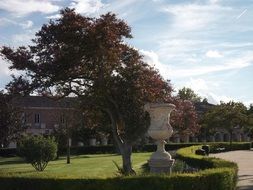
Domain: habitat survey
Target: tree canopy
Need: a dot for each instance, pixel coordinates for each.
(226, 116)
(185, 119)
(188, 94)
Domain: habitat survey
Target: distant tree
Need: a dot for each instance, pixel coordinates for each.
(95, 123)
(89, 58)
(226, 116)
(38, 151)
(184, 119)
(249, 126)
(11, 121)
(188, 94)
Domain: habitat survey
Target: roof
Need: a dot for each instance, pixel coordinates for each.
(202, 107)
(41, 101)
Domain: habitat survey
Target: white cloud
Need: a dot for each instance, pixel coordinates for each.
(198, 85)
(205, 89)
(23, 39)
(202, 70)
(55, 16)
(201, 86)
(4, 73)
(214, 1)
(153, 60)
(6, 21)
(181, 48)
(27, 24)
(24, 7)
(213, 54)
(87, 6)
(195, 16)
(174, 71)
(4, 68)
(249, 102)
(216, 99)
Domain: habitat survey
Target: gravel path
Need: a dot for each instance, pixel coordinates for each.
(244, 159)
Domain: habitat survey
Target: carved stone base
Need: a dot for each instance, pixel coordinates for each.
(160, 165)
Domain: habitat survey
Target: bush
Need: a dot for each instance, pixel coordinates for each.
(38, 151)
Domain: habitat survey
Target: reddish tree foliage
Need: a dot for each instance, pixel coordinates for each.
(184, 119)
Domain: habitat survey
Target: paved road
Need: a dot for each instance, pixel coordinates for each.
(244, 159)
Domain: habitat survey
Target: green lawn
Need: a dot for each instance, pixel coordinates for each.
(82, 166)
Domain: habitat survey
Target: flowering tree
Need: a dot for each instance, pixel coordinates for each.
(184, 119)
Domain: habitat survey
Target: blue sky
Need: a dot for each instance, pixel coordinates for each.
(206, 45)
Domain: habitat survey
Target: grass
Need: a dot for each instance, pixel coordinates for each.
(82, 166)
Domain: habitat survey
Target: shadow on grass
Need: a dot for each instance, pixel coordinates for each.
(87, 156)
(7, 162)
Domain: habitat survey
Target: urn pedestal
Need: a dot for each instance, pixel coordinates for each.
(160, 129)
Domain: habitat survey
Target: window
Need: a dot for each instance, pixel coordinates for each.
(37, 118)
(23, 118)
(62, 119)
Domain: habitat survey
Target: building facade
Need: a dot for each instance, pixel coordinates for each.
(41, 115)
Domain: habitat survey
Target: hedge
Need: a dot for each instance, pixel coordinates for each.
(205, 180)
(103, 149)
(108, 149)
(227, 171)
(216, 174)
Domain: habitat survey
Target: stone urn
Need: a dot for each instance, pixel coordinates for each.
(160, 129)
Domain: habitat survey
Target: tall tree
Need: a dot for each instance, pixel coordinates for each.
(11, 124)
(188, 94)
(89, 58)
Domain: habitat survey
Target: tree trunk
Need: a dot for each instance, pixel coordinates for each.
(68, 151)
(124, 146)
(231, 139)
(126, 153)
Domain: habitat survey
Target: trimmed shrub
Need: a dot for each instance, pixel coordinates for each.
(227, 170)
(218, 179)
(38, 151)
(110, 149)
